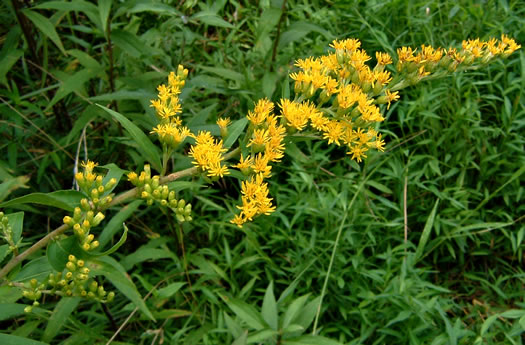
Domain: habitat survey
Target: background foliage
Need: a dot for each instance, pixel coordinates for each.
(452, 173)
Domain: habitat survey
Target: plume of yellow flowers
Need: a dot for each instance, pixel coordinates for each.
(170, 130)
(339, 95)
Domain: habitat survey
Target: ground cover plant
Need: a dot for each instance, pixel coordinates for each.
(219, 213)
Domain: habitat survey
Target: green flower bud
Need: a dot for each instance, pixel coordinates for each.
(28, 309)
(71, 266)
(84, 203)
(98, 218)
(111, 296)
(77, 214)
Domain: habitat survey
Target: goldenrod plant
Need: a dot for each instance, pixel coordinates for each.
(340, 97)
(340, 101)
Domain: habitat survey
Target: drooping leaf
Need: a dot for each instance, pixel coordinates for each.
(117, 221)
(245, 312)
(64, 199)
(43, 24)
(59, 317)
(148, 149)
(110, 269)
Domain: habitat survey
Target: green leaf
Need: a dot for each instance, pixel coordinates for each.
(426, 231)
(245, 312)
(307, 315)
(145, 253)
(224, 73)
(10, 310)
(113, 172)
(58, 251)
(7, 62)
(154, 7)
(170, 290)
(104, 8)
(129, 43)
(116, 275)
(310, 340)
(64, 199)
(16, 221)
(117, 221)
(488, 322)
(7, 339)
(210, 18)
(11, 184)
(85, 59)
(58, 319)
(242, 339)
(294, 311)
(269, 308)
(262, 335)
(234, 131)
(43, 24)
(73, 83)
(146, 146)
(38, 268)
(117, 245)
(298, 30)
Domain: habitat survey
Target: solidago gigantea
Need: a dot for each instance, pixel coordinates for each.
(339, 95)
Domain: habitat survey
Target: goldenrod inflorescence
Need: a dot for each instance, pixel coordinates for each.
(338, 95)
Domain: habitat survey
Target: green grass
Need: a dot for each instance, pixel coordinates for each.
(454, 145)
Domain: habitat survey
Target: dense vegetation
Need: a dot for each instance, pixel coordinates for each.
(419, 244)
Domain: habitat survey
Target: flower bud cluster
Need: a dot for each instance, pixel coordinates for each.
(82, 221)
(7, 232)
(150, 189)
(73, 282)
(91, 184)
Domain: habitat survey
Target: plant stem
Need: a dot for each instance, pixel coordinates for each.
(123, 197)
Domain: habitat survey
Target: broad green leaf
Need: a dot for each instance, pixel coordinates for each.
(212, 19)
(85, 59)
(117, 276)
(259, 337)
(269, 308)
(7, 62)
(307, 315)
(129, 43)
(104, 8)
(38, 268)
(426, 231)
(298, 30)
(488, 322)
(7, 339)
(58, 251)
(58, 319)
(16, 221)
(149, 150)
(234, 327)
(155, 7)
(242, 339)
(170, 290)
(4, 250)
(10, 310)
(117, 221)
(245, 312)
(144, 254)
(513, 313)
(294, 311)
(73, 83)
(224, 73)
(234, 131)
(310, 340)
(64, 199)
(43, 24)
(124, 95)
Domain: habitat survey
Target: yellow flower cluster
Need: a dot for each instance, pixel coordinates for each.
(208, 155)
(266, 146)
(170, 130)
(429, 60)
(337, 97)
